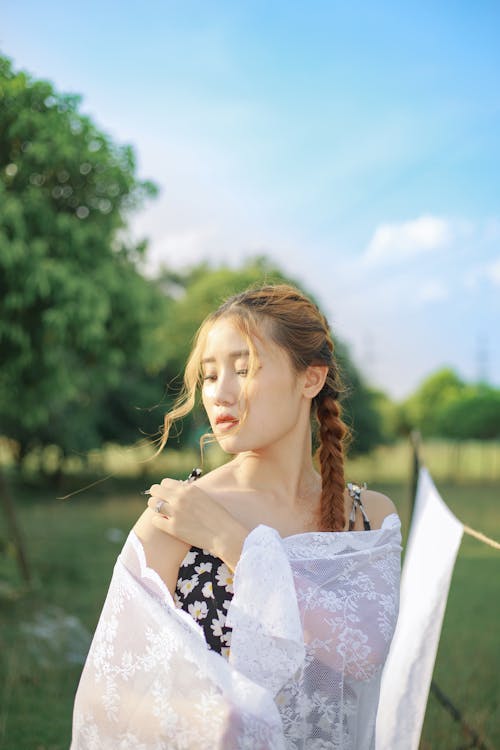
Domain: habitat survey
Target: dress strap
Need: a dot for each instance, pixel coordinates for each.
(355, 493)
(195, 474)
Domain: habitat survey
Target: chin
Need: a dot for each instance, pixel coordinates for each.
(234, 444)
(228, 445)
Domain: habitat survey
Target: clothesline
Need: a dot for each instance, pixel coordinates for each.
(467, 529)
(482, 537)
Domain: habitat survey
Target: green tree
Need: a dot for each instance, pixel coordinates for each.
(76, 316)
(423, 409)
(445, 406)
(388, 420)
(475, 416)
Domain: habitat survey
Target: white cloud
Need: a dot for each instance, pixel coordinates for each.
(492, 230)
(493, 271)
(397, 242)
(432, 290)
(473, 277)
(184, 247)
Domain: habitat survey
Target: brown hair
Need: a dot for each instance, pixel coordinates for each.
(297, 325)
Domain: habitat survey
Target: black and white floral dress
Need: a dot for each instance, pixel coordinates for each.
(204, 587)
(204, 590)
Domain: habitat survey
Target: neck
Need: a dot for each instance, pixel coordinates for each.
(283, 470)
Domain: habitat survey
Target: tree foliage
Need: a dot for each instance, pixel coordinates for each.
(422, 409)
(75, 313)
(445, 406)
(475, 416)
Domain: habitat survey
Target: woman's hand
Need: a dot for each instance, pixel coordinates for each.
(190, 514)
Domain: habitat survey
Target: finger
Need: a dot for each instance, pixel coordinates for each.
(156, 490)
(172, 483)
(159, 505)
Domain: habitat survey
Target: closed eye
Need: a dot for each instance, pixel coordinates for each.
(213, 377)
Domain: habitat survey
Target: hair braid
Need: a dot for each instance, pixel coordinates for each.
(330, 453)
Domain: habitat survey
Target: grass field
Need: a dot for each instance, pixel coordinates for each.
(72, 548)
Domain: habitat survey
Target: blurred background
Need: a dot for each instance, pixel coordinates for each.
(157, 157)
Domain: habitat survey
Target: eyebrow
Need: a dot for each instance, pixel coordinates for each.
(240, 353)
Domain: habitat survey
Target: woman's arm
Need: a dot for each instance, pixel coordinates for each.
(164, 553)
(228, 543)
(192, 515)
(191, 518)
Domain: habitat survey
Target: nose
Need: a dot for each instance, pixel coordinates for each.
(225, 389)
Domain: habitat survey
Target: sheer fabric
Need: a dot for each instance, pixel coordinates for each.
(312, 618)
(431, 550)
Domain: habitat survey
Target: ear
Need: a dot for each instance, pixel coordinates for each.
(314, 380)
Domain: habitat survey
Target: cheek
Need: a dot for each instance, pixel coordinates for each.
(206, 401)
(270, 402)
(207, 393)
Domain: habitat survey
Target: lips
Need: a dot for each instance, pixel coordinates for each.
(227, 418)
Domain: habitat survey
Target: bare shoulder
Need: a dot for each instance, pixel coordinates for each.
(377, 506)
(218, 478)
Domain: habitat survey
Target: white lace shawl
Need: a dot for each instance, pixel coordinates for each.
(312, 614)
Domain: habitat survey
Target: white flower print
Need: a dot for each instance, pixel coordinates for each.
(198, 610)
(189, 559)
(225, 577)
(218, 623)
(207, 590)
(353, 646)
(187, 585)
(204, 567)
(331, 600)
(330, 692)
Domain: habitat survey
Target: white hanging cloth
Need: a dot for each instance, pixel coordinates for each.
(312, 615)
(431, 550)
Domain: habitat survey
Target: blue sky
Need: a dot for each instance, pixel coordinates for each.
(357, 144)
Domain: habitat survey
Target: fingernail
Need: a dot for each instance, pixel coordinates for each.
(146, 492)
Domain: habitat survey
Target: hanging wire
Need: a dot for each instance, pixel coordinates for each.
(482, 537)
(475, 739)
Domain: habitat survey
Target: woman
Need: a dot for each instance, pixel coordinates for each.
(290, 653)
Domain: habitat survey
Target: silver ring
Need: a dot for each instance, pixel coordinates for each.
(158, 506)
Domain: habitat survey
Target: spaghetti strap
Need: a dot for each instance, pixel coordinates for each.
(355, 493)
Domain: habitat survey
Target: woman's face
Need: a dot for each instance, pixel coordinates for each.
(273, 395)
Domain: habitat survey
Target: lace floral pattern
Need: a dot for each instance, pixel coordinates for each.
(312, 617)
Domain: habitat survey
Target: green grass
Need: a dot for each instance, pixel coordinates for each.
(72, 559)
(453, 462)
(448, 461)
